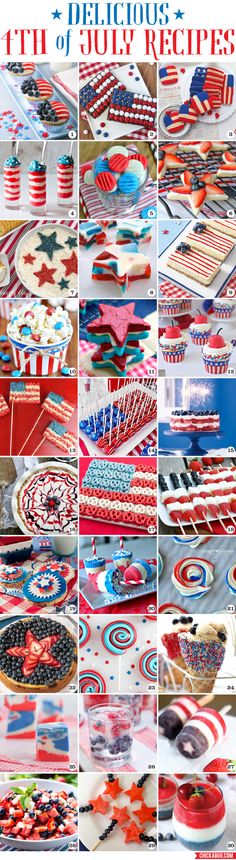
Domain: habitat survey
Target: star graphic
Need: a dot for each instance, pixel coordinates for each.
(71, 264)
(113, 788)
(63, 284)
(45, 275)
(132, 832)
(56, 14)
(165, 232)
(179, 14)
(99, 804)
(120, 814)
(118, 321)
(145, 813)
(34, 651)
(71, 241)
(49, 244)
(135, 792)
(29, 259)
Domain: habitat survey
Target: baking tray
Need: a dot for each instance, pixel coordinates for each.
(30, 113)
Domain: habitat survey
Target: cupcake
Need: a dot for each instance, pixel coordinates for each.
(53, 115)
(170, 307)
(222, 309)
(36, 90)
(39, 337)
(173, 344)
(216, 354)
(15, 549)
(200, 330)
(21, 71)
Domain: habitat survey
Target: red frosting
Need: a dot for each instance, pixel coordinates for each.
(118, 321)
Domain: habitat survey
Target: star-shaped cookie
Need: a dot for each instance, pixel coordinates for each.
(203, 147)
(228, 168)
(168, 160)
(49, 244)
(117, 323)
(196, 191)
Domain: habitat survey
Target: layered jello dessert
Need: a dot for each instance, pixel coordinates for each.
(199, 817)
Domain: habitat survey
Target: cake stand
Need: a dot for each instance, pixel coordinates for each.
(193, 436)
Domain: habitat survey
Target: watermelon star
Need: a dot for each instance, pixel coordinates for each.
(113, 788)
(45, 275)
(99, 805)
(135, 792)
(145, 813)
(132, 832)
(120, 814)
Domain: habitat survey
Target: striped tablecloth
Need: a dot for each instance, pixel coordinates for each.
(8, 246)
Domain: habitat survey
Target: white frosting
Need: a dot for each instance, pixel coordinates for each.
(202, 327)
(173, 341)
(210, 351)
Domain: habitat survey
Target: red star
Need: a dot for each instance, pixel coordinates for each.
(132, 832)
(135, 792)
(71, 264)
(119, 322)
(113, 788)
(45, 275)
(120, 814)
(145, 813)
(99, 804)
(29, 259)
(35, 651)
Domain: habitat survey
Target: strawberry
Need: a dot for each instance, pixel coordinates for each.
(212, 777)
(196, 801)
(220, 765)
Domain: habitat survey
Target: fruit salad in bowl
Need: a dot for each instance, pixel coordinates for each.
(38, 815)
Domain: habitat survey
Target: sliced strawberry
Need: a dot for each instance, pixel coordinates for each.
(229, 157)
(182, 189)
(186, 177)
(197, 198)
(208, 177)
(205, 146)
(196, 801)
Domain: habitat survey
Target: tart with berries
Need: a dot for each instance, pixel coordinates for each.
(37, 655)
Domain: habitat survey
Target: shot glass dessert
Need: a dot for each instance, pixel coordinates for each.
(110, 735)
(12, 182)
(199, 817)
(65, 180)
(132, 702)
(37, 173)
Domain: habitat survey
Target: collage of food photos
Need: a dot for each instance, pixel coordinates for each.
(118, 457)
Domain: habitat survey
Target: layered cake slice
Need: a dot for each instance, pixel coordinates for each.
(194, 264)
(190, 421)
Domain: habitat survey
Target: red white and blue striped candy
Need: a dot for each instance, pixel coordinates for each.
(168, 75)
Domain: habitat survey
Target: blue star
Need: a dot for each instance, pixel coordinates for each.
(179, 14)
(56, 14)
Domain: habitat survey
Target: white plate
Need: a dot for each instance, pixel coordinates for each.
(43, 293)
(6, 280)
(42, 844)
(47, 463)
(225, 110)
(91, 826)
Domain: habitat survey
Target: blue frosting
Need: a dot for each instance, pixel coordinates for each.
(65, 159)
(17, 386)
(12, 162)
(57, 428)
(37, 166)
(56, 398)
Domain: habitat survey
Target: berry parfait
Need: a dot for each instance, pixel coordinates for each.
(110, 735)
(199, 817)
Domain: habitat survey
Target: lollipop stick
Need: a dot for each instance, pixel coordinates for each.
(121, 539)
(38, 446)
(93, 542)
(30, 433)
(11, 427)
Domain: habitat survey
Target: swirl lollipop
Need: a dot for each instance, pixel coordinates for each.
(91, 682)
(231, 579)
(148, 664)
(118, 636)
(193, 577)
(84, 632)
